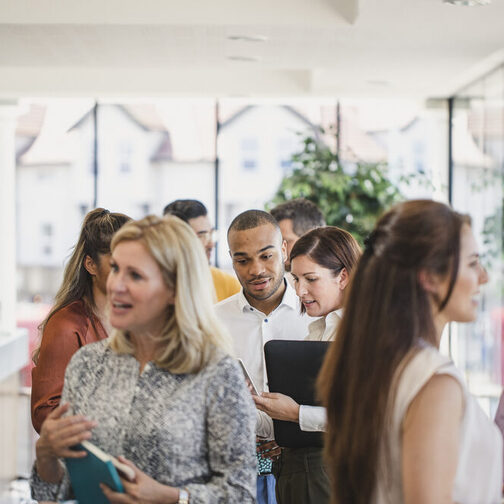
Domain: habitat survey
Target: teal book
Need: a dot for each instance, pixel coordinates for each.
(97, 467)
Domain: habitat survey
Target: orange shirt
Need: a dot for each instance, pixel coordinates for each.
(225, 284)
(67, 330)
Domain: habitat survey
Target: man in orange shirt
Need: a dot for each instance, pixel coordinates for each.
(196, 215)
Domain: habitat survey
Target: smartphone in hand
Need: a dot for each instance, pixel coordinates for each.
(248, 379)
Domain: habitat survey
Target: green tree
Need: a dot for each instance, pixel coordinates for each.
(349, 198)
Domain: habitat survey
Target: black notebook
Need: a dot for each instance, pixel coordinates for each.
(292, 368)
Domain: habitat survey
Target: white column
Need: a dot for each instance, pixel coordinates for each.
(8, 115)
(13, 347)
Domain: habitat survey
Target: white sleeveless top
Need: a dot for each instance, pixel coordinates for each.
(479, 473)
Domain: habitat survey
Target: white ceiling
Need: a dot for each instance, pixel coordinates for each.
(344, 48)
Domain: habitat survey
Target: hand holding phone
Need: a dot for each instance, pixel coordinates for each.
(248, 379)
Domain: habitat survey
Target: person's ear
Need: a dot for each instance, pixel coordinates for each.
(90, 266)
(171, 298)
(344, 278)
(284, 250)
(429, 281)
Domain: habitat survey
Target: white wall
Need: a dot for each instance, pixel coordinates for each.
(273, 129)
(172, 180)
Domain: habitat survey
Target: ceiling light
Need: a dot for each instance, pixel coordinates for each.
(468, 3)
(248, 38)
(244, 58)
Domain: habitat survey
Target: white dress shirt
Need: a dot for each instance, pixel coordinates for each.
(250, 329)
(313, 418)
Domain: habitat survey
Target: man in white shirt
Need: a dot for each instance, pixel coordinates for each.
(266, 308)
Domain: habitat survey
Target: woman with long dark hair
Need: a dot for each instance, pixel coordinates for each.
(321, 264)
(78, 314)
(401, 426)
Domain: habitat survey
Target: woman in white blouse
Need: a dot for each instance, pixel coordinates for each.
(321, 263)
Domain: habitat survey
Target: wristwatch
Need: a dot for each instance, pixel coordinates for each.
(183, 496)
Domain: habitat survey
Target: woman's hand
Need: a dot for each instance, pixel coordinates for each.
(277, 406)
(268, 449)
(143, 489)
(57, 435)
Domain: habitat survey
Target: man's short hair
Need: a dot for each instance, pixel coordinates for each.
(251, 219)
(304, 214)
(186, 209)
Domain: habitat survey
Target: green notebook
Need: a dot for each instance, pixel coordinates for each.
(97, 467)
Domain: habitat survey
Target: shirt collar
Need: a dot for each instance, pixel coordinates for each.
(289, 299)
(335, 315)
(331, 319)
(242, 301)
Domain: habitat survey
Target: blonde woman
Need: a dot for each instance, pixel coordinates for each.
(163, 391)
(78, 315)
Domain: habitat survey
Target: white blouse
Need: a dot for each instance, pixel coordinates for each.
(479, 472)
(313, 418)
(250, 329)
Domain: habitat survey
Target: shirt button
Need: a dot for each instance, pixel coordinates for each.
(265, 320)
(251, 309)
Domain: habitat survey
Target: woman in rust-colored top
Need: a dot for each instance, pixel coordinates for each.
(78, 316)
(68, 329)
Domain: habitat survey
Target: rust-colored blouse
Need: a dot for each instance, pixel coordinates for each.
(67, 330)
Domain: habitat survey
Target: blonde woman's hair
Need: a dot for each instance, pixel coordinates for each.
(98, 227)
(192, 333)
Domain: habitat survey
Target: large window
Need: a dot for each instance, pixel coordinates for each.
(151, 153)
(477, 188)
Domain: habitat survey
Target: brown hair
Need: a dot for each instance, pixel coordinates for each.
(96, 234)
(304, 214)
(330, 247)
(387, 313)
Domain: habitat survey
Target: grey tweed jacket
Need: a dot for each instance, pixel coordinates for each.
(191, 430)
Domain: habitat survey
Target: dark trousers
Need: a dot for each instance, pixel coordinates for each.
(301, 477)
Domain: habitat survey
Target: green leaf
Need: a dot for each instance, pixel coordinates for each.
(363, 193)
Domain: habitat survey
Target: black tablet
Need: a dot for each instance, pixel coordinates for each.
(292, 368)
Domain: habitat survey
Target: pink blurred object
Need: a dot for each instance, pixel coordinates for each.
(29, 316)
